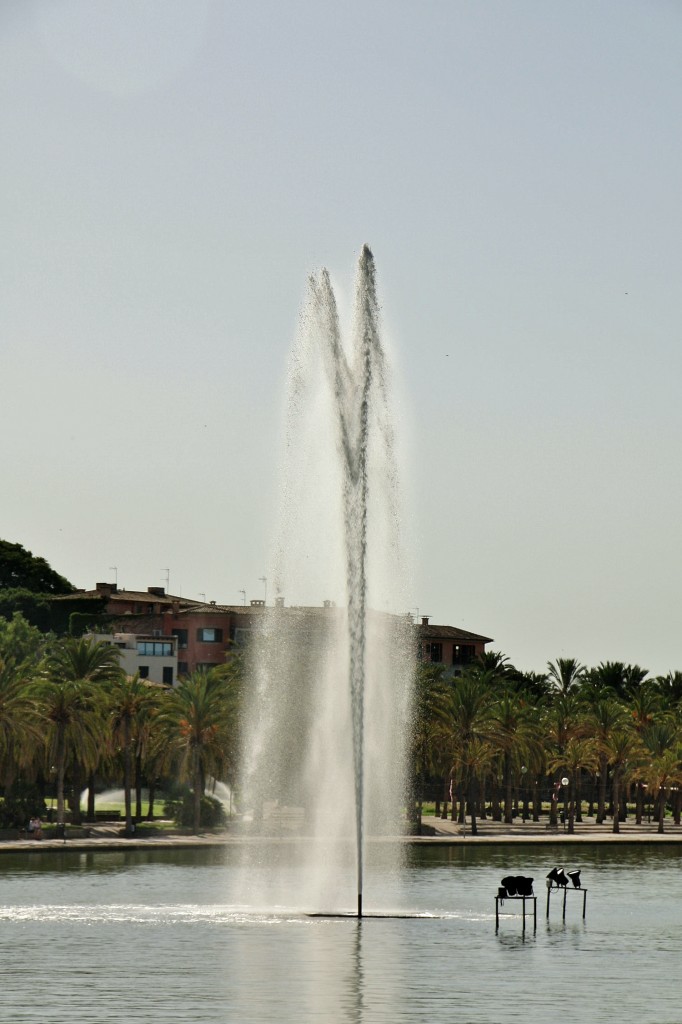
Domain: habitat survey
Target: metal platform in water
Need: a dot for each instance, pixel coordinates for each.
(374, 914)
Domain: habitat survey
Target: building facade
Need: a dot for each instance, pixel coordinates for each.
(205, 634)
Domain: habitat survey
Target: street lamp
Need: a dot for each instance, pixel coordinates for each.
(564, 783)
(524, 812)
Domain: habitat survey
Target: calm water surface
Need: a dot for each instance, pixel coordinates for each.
(164, 936)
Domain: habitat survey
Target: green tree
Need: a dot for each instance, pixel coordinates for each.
(563, 720)
(577, 754)
(471, 701)
(623, 750)
(511, 729)
(20, 733)
(196, 721)
(19, 569)
(565, 674)
(21, 642)
(69, 697)
(431, 727)
(605, 715)
(662, 761)
(131, 703)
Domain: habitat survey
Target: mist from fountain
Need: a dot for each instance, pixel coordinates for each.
(324, 745)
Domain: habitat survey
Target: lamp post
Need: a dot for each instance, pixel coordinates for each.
(524, 812)
(564, 783)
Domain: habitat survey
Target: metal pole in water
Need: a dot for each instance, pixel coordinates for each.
(359, 904)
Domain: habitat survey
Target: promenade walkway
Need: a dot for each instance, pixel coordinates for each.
(437, 831)
(445, 831)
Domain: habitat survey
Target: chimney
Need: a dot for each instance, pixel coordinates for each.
(425, 620)
(279, 602)
(106, 588)
(157, 591)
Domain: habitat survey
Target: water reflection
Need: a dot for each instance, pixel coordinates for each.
(179, 918)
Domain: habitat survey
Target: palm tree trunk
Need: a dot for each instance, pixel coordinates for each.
(661, 809)
(603, 777)
(537, 802)
(91, 797)
(579, 796)
(152, 795)
(76, 792)
(508, 816)
(138, 785)
(127, 775)
(197, 792)
(61, 765)
(472, 804)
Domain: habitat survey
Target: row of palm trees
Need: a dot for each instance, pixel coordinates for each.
(68, 710)
(495, 735)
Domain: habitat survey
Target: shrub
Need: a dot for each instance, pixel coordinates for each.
(24, 802)
(212, 811)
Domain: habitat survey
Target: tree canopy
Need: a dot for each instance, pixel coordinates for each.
(21, 570)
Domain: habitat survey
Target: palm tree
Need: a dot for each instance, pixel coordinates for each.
(577, 754)
(565, 674)
(605, 715)
(20, 732)
(645, 706)
(623, 751)
(471, 700)
(511, 730)
(563, 721)
(431, 726)
(197, 722)
(662, 767)
(131, 701)
(69, 697)
(670, 688)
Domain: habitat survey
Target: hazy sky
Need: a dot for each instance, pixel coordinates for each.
(171, 172)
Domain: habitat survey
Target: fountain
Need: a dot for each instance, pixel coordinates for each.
(331, 679)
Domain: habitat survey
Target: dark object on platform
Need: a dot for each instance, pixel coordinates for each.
(558, 876)
(515, 885)
(554, 885)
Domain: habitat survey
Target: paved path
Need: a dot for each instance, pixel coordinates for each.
(587, 831)
(441, 831)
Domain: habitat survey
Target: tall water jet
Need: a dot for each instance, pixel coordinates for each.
(325, 742)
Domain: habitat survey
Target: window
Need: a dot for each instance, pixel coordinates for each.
(168, 675)
(210, 636)
(183, 668)
(182, 636)
(463, 654)
(436, 652)
(155, 648)
(144, 671)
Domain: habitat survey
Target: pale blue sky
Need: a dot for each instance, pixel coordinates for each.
(171, 173)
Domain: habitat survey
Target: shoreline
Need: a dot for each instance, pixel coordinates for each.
(441, 833)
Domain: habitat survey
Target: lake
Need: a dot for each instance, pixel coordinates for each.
(168, 935)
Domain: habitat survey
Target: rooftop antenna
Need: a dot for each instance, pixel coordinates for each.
(264, 581)
(202, 595)
(167, 572)
(243, 593)
(114, 569)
